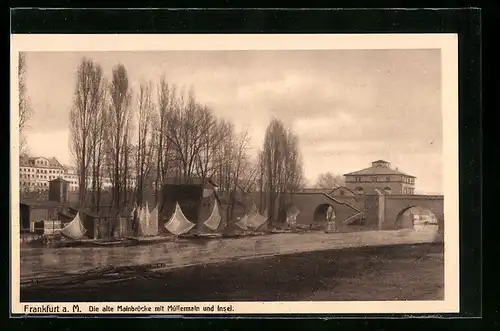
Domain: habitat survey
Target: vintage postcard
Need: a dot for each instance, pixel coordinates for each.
(234, 174)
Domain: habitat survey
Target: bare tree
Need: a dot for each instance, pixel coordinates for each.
(261, 173)
(127, 187)
(118, 121)
(25, 110)
(166, 104)
(222, 158)
(243, 172)
(292, 177)
(97, 141)
(87, 104)
(211, 141)
(188, 128)
(282, 174)
(329, 180)
(144, 156)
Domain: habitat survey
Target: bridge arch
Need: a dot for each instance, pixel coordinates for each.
(313, 206)
(398, 204)
(319, 215)
(414, 219)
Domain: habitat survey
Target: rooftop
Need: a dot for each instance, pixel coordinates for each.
(373, 170)
(30, 161)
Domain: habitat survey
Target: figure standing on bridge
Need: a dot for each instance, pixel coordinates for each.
(291, 219)
(330, 220)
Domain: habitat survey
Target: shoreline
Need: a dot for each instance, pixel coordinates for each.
(357, 273)
(38, 262)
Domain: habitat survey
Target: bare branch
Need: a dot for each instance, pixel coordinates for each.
(25, 110)
(87, 105)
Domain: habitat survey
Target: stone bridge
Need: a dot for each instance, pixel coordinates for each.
(313, 206)
(392, 207)
(379, 211)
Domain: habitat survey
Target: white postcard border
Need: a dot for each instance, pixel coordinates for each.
(448, 43)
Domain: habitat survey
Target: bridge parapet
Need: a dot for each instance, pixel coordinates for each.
(415, 197)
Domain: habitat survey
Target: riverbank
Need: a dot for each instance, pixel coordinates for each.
(49, 262)
(398, 272)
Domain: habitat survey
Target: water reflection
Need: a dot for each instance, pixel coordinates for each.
(42, 261)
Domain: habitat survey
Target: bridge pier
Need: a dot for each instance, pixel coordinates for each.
(381, 209)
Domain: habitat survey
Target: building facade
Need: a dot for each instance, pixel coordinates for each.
(35, 173)
(382, 177)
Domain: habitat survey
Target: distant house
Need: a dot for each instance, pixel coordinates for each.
(382, 177)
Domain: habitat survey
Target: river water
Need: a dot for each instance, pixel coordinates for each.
(50, 262)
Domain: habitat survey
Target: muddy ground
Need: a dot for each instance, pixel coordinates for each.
(399, 272)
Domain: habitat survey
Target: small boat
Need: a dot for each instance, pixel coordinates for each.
(198, 236)
(72, 243)
(125, 242)
(150, 240)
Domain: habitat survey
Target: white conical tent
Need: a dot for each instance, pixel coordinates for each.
(242, 223)
(291, 217)
(74, 230)
(256, 221)
(147, 219)
(213, 221)
(132, 213)
(178, 223)
(153, 224)
(142, 221)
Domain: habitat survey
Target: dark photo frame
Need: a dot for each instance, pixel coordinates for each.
(466, 23)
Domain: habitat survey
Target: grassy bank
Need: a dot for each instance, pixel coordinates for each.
(402, 272)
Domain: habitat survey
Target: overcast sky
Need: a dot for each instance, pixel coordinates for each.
(348, 107)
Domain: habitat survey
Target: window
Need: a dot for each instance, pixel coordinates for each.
(388, 178)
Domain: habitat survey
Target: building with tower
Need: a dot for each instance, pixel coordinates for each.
(382, 177)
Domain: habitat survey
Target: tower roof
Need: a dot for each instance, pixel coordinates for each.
(378, 171)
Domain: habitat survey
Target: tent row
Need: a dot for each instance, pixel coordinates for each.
(148, 221)
(178, 223)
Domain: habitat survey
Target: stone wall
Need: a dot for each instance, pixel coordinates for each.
(307, 203)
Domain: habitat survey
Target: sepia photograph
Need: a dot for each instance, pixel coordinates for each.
(240, 174)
